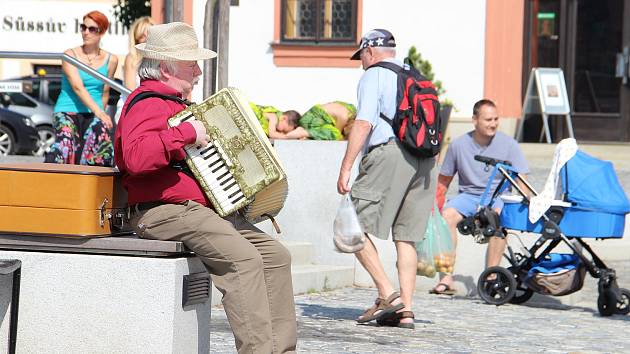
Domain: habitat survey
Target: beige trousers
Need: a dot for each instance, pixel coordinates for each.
(394, 190)
(250, 269)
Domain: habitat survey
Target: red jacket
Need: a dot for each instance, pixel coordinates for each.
(144, 146)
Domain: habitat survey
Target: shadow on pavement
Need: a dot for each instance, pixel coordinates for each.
(548, 302)
(325, 312)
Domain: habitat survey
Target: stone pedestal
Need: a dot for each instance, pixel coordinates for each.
(88, 303)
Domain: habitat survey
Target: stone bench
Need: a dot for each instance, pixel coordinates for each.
(106, 295)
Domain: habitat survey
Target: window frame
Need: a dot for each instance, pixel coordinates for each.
(319, 31)
(310, 54)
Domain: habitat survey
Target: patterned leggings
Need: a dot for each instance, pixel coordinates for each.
(80, 139)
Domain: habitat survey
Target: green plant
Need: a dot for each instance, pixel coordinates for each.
(126, 11)
(425, 68)
(326, 287)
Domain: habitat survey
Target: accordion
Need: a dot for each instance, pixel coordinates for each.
(239, 168)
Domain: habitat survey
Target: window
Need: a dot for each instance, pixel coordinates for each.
(316, 33)
(18, 99)
(54, 88)
(34, 90)
(319, 21)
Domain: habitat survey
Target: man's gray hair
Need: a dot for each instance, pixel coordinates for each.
(386, 50)
(149, 69)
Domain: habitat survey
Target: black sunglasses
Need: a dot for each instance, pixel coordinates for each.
(91, 29)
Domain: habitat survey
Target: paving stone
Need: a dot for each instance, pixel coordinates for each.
(452, 325)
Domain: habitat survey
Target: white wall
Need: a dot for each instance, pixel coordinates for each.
(449, 33)
(251, 65)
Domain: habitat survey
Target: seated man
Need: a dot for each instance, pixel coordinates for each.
(473, 176)
(277, 124)
(252, 270)
(329, 121)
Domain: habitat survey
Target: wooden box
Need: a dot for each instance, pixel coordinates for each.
(61, 200)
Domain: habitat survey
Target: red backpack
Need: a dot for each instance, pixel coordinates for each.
(417, 122)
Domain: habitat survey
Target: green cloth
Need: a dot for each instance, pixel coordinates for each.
(260, 114)
(351, 109)
(322, 126)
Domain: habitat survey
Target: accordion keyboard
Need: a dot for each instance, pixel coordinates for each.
(213, 166)
(214, 170)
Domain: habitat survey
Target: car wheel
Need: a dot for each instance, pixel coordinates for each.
(46, 139)
(7, 141)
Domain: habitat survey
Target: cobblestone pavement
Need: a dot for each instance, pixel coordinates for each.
(452, 325)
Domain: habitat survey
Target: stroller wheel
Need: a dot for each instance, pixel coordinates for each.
(606, 302)
(623, 303)
(496, 285)
(466, 226)
(522, 294)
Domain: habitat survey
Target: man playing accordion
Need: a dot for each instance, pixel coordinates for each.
(250, 269)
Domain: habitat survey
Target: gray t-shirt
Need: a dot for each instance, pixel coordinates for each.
(473, 175)
(376, 93)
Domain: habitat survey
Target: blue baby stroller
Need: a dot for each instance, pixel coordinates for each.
(591, 204)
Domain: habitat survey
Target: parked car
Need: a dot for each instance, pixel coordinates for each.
(17, 133)
(39, 112)
(46, 88)
(37, 101)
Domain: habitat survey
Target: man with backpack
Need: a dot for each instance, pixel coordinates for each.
(394, 189)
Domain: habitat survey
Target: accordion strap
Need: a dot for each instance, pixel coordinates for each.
(148, 94)
(178, 165)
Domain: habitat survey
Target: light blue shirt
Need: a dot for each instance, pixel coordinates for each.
(473, 175)
(376, 94)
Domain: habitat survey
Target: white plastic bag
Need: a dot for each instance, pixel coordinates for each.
(348, 236)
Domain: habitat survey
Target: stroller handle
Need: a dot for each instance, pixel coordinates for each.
(491, 161)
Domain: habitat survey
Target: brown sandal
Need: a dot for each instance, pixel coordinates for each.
(394, 320)
(448, 290)
(381, 307)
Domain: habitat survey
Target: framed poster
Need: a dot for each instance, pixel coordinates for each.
(552, 91)
(546, 95)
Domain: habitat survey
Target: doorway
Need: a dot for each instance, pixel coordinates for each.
(586, 39)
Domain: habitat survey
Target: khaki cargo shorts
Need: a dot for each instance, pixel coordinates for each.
(394, 191)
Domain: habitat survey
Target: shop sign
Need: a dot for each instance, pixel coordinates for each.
(54, 27)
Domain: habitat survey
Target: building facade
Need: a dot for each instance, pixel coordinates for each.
(294, 53)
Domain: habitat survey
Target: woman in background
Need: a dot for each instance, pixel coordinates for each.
(81, 125)
(137, 35)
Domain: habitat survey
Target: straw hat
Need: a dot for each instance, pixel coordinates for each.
(173, 41)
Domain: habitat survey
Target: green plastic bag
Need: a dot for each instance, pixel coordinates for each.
(424, 250)
(435, 253)
(443, 250)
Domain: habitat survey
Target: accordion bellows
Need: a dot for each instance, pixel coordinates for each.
(239, 169)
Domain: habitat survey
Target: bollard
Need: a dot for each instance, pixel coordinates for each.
(13, 266)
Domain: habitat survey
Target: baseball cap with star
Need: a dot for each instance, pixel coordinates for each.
(374, 38)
